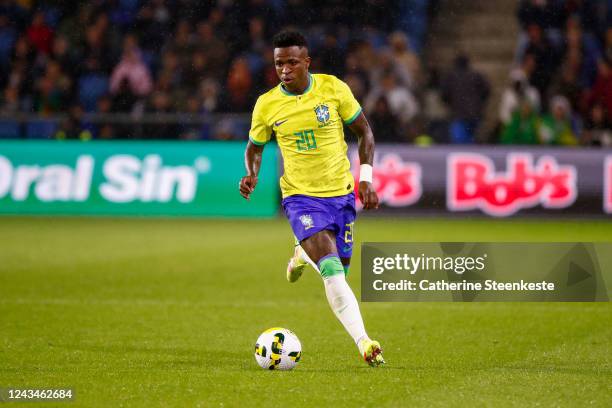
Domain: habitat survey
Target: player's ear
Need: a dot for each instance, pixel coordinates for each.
(307, 60)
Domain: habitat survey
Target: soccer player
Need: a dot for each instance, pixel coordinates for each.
(306, 112)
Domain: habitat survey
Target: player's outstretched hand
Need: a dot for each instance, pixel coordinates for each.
(368, 195)
(247, 185)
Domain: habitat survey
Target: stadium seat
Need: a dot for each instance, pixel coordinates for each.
(242, 127)
(91, 88)
(413, 20)
(7, 40)
(122, 18)
(40, 129)
(149, 58)
(9, 129)
(131, 5)
(255, 61)
(52, 16)
(461, 132)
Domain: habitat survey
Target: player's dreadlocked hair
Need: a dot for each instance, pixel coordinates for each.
(288, 38)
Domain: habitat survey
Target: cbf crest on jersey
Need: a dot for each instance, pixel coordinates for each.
(322, 112)
(306, 220)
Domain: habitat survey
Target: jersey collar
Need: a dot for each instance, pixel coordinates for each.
(308, 88)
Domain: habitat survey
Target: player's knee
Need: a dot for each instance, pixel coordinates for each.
(330, 265)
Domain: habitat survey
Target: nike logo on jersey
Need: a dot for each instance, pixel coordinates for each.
(280, 122)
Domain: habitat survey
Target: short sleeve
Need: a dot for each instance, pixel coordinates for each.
(349, 109)
(260, 132)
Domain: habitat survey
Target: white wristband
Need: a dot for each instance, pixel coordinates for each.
(365, 173)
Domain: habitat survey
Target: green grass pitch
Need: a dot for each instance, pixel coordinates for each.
(146, 312)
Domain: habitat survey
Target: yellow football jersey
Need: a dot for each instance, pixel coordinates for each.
(309, 132)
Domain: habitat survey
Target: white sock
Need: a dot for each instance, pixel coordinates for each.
(344, 304)
(306, 258)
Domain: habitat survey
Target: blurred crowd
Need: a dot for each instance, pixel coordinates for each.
(561, 89)
(183, 61)
(196, 58)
